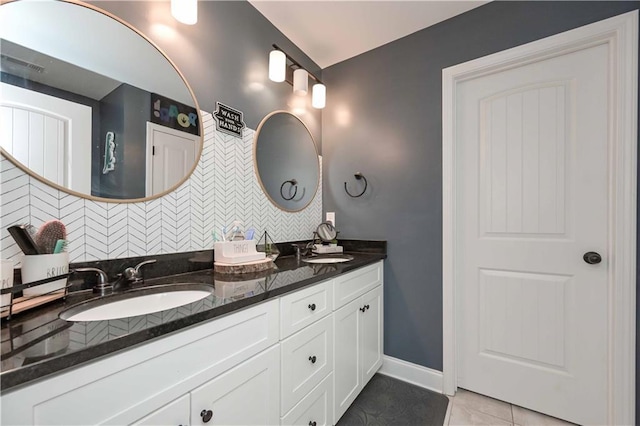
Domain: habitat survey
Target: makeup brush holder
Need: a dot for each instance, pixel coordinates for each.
(40, 266)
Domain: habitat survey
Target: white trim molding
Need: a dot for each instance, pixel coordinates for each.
(412, 373)
(621, 34)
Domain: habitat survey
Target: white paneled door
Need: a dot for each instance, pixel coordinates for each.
(532, 200)
(171, 155)
(48, 135)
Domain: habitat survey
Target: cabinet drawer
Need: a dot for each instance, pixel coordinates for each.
(175, 413)
(244, 395)
(349, 286)
(303, 307)
(307, 358)
(315, 408)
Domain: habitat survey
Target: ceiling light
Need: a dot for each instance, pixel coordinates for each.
(185, 11)
(277, 66)
(300, 82)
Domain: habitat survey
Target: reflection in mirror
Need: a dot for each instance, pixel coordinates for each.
(91, 106)
(286, 161)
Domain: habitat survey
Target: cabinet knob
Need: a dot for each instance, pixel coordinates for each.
(312, 359)
(362, 309)
(366, 306)
(312, 306)
(206, 415)
(312, 423)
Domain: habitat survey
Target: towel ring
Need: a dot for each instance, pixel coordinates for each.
(294, 184)
(358, 176)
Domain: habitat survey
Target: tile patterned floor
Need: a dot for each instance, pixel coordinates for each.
(468, 408)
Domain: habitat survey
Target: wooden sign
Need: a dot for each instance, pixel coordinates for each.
(229, 120)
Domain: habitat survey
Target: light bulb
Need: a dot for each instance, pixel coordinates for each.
(300, 82)
(277, 66)
(319, 96)
(185, 11)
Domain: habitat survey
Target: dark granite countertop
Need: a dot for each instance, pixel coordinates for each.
(38, 343)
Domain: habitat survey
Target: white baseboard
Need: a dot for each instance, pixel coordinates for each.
(412, 373)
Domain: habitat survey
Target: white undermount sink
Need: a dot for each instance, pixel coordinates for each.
(137, 302)
(328, 259)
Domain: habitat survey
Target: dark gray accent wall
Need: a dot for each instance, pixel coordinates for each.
(384, 119)
(224, 57)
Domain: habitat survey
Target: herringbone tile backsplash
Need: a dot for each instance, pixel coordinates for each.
(223, 188)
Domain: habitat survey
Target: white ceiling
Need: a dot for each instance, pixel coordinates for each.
(330, 31)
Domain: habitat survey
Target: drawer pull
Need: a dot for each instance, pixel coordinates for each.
(312, 306)
(206, 415)
(312, 423)
(312, 359)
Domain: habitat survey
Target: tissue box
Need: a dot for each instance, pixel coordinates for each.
(235, 252)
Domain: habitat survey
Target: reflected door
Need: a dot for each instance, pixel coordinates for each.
(171, 155)
(533, 197)
(48, 135)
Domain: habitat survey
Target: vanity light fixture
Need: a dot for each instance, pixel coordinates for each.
(277, 66)
(185, 11)
(278, 63)
(300, 81)
(319, 96)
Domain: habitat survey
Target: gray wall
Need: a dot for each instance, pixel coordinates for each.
(224, 57)
(125, 111)
(384, 119)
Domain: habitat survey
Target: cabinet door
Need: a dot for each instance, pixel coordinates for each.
(347, 377)
(175, 413)
(315, 409)
(371, 334)
(248, 394)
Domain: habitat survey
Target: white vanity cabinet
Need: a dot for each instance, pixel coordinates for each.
(298, 359)
(358, 332)
(131, 385)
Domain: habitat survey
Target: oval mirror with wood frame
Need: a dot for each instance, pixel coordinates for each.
(286, 161)
(91, 106)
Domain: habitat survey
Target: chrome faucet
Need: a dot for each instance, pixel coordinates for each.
(102, 285)
(302, 249)
(131, 275)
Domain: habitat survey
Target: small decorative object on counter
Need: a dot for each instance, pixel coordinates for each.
(267, 245)
(237, 255)
(45, 257)
(43, 266)
(325, 239)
